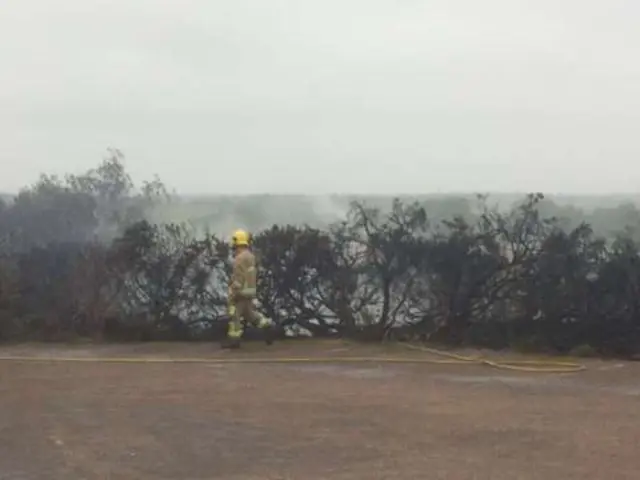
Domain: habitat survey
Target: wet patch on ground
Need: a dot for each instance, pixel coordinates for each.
(551, 382)
(348, 371)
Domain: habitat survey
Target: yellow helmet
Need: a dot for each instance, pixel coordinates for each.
(240, 238)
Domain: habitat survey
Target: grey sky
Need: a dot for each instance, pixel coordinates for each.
(326, 96)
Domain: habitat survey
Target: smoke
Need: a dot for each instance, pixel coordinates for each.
(328, 209)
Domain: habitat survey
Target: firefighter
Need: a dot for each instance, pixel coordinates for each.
(242, 293)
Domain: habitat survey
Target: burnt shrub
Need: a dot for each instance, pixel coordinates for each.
(80, 257)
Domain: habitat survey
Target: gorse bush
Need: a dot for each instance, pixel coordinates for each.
(79, 259)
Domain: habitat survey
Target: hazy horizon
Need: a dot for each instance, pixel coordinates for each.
(350, 96)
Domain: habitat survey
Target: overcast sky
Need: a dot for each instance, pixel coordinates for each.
(317, 96)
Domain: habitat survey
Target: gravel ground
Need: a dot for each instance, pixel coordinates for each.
(63, 420)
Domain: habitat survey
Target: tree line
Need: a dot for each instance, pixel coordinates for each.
(79, 257)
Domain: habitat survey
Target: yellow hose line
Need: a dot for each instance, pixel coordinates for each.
(235, 360)
(533, 366)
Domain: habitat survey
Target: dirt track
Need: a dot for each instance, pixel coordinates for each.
(184, 421)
